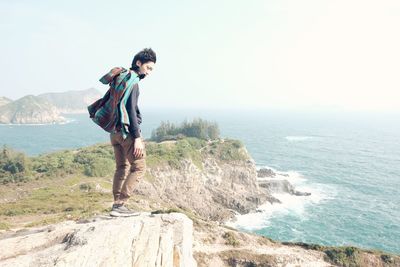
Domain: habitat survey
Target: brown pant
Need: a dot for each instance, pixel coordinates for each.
(129, 169)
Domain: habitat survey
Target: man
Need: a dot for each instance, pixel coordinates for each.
(126, 137)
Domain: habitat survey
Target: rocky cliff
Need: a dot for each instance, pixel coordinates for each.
(223, 183)
(145, 240)
(214, 190)
(155, 240)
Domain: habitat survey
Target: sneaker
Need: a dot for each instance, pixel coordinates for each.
(119, 210)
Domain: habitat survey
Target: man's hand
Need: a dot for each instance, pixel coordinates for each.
(138, 147)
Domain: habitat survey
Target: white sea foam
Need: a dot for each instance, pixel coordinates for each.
(68, 120)
(289, 203)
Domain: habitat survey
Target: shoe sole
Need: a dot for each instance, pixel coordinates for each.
(117, 214)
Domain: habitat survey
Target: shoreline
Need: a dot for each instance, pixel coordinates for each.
(259, 219)
(38, 124)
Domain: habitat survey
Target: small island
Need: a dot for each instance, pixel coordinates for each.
(30, 110)
(46, 108)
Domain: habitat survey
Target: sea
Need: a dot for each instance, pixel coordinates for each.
(348, 161)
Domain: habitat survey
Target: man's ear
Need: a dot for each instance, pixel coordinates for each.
(138, 63)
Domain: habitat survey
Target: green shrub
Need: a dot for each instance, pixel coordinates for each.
(96, 160)
(99, 167)
(55, 163)
(14, 166)
(228, 150)
(344, 256)
(230, 239)
(197, 128)
(86, 187)
(187, 148)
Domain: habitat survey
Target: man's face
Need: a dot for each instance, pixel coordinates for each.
(145, 69)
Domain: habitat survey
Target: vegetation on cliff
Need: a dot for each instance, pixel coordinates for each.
(349, 256)
(75, 184)
(98, 160)
(198, 128)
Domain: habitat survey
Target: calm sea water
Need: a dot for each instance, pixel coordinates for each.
(349, 162)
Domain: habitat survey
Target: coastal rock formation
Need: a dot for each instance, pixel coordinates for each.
(268, 173)
(214, 190)
(264, 172)
(281, 186)
(29, 110)
(218, 246)
(171, 240)
(140, 241)
(267, 179)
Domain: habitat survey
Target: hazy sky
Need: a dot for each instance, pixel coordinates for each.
(340, 55)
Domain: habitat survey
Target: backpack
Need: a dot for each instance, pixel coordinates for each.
(104, 111)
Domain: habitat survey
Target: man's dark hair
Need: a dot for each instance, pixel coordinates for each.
(143, 56)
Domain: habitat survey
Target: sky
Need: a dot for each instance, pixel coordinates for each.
(316, 55)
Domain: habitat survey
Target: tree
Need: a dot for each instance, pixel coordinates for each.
(199, 128)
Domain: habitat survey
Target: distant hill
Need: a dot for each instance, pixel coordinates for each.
(4, 100)
(72, 101)
(46, 108)
(30, 109)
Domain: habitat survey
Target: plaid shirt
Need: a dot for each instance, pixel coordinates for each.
(110, 111)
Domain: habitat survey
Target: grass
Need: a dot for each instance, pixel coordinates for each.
(149, 177)
(228, 150)
(73, 180)
(173, 154)
(72, 197)
(51, 200)
(230, 239)
(187, 212)
(4, 226)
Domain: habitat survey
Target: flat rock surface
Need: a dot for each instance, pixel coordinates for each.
(144, 240)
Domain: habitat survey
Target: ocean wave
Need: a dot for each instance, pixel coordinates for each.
(68, 120)
(290, 204)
